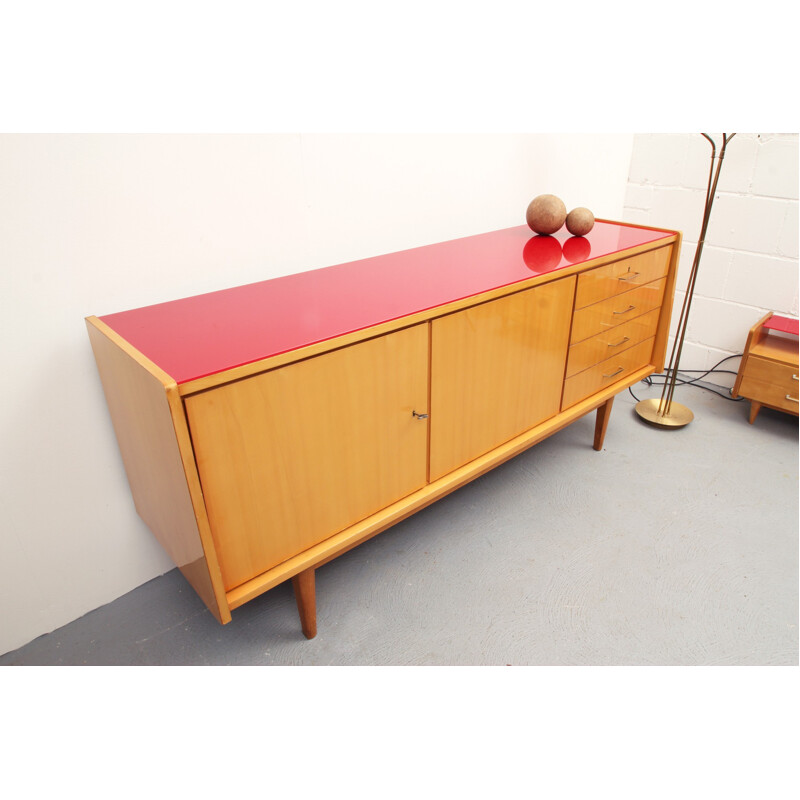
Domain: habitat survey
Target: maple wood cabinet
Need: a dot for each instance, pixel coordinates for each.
(270, 428)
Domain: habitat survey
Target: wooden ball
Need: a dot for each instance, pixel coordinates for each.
(580, 221)
(546, 214)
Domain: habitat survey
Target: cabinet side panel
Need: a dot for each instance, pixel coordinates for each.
(140, 412)
(662, 334)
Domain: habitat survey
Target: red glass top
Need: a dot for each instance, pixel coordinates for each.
(210, 333)
(783, 324)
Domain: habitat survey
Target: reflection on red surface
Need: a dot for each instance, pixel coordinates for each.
(577, 248)
(210, 333)
(541, 253)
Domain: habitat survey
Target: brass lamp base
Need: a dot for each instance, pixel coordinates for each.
(678, 415)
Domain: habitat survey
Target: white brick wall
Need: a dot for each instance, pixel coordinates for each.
(749, 262)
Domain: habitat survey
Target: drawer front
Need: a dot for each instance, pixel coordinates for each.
(611, 342)
(621, 276)
(770, 394)
(614, 311)
(607, 372)
(766, 371)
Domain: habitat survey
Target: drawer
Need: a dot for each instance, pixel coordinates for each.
(621, 276)
(781, 397)
(607, 372)
(766, 371)
(614, 311)
(611, 342)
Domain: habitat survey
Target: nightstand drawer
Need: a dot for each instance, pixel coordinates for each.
(769, 394)
(765, 371)
(614, 311)
(605, 373)
(621, 276)
(611, 342)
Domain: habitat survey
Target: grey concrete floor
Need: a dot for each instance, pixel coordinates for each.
(666, 548)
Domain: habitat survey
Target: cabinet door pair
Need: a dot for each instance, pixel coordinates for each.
(290, 457)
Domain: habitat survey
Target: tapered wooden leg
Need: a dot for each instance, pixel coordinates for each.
(603, 415)
(305, 593)
(754, 409)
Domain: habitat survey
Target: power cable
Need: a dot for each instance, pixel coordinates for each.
(649, 381)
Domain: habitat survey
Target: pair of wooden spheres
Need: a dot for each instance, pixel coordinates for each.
(547, 213)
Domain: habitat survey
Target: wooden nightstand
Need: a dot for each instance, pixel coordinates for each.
(768, 372)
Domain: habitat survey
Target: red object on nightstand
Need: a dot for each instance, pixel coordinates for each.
(784, 324)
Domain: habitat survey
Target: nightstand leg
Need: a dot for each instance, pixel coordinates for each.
(305, 594)
(754, 409)
(603, 415)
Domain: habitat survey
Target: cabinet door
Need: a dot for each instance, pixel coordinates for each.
(497, 370)
(292, 456)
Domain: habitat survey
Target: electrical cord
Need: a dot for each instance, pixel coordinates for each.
(681, 382)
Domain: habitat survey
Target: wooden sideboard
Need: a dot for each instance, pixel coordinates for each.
(269, 428)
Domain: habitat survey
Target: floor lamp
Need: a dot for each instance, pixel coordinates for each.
(664, 413)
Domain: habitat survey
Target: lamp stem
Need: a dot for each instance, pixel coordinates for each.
(665, 404)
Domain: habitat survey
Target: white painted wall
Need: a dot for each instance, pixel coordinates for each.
(749, 260)
(92, 224)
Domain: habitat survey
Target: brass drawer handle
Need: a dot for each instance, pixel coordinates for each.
(621, 369)
(629, 276)
(419, 416)
(621, 341)
(629, 308)
(793, 399)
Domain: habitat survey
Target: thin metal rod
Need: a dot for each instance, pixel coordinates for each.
(680, 333)
(670, 385)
